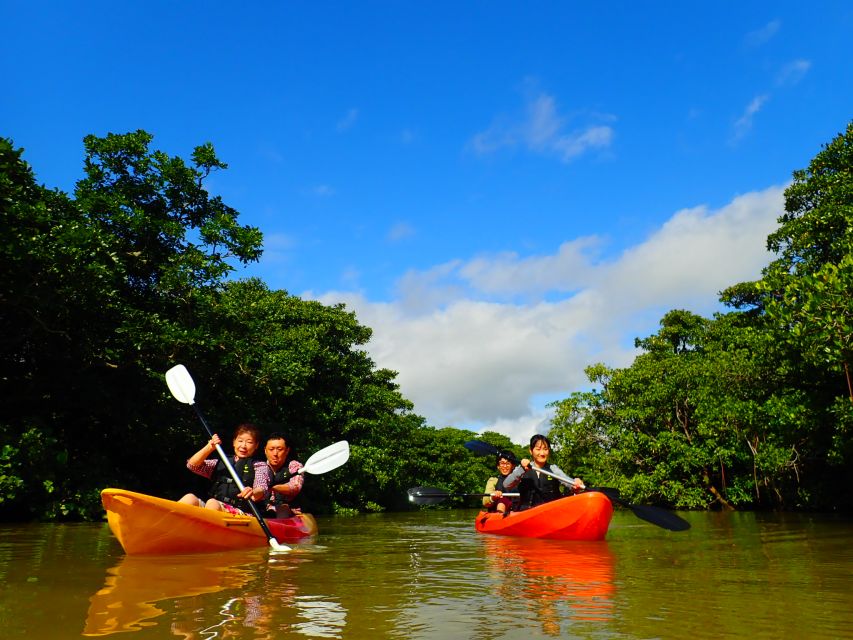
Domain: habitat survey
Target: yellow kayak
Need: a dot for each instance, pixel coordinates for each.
(148, 525)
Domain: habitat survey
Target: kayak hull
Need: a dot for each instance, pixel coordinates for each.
(145, 524)
(585, 516)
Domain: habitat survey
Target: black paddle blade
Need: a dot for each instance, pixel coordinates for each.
(657, 516)
(427, 495)
(481, 448)
(485, 449)
(608, 491)
(661, 517)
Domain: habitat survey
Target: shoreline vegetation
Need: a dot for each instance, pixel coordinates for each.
(105, 289)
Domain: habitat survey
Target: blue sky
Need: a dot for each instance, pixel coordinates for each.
(505, 192)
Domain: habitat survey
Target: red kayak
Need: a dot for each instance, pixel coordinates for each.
(585, 516)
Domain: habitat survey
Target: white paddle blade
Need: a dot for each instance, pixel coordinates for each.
(181, 384)
(327, 459)
(275, 545)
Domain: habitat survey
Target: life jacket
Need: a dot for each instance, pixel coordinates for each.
(500, 487)
(223, 487)
(282, 476)
(537, 488)
(500, 484)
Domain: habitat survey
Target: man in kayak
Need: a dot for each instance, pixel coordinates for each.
(224, 493)
(495, 486)
(535, 486)
(286, 479)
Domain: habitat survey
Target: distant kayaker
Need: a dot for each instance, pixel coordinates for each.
(224, 494)
(495, 501)
(286, 479)
(535, 486)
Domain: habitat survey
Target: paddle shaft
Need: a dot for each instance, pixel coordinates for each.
(463, 495)
(557, 476)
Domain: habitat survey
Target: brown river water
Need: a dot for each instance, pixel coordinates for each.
(430, 575)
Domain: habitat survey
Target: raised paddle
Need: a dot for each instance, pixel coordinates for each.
(655, 515)
(183, 388)
(434, 495)
(327, 459)
(485, 449)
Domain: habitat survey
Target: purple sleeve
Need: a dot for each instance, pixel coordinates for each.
(296, 478)
(204, 469)
(262, 478)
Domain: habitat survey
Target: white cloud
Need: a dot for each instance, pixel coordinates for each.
(351, 276)
(323, 190)
(793, 72)
(743, 124)
(763, 35)
(542, 130)
(348, 120)
(400, 231)
(506, 273)
(468, 360)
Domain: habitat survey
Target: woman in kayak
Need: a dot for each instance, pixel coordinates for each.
(495, 486)
(535, 486)
(224, 494)
(286, 480)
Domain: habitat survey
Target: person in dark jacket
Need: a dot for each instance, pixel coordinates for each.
(286, 479)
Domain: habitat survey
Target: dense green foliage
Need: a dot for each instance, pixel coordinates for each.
(101, 292)
(751, 408)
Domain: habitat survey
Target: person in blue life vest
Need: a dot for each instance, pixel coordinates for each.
(496, 501)
(224, 493)
(286, 480)
(534, 486)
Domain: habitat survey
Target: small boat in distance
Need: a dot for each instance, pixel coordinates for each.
(145, 524)
(585, 516)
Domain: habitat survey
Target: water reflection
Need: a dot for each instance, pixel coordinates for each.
(259, 597)
(563, 583)
(134, 586)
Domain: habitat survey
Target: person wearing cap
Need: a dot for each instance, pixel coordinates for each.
(496, 501)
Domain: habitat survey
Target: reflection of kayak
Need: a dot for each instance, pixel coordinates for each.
(148, 525)
(585, 516)
(563, 582)
(127, 601)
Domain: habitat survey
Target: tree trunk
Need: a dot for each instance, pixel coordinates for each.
(719, 498)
